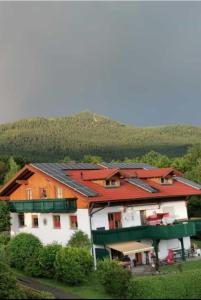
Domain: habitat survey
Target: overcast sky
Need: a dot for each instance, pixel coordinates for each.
(137, 62)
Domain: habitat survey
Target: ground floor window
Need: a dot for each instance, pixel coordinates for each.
(35, 223)
(21, 221)
(73, 222)
(56, 221)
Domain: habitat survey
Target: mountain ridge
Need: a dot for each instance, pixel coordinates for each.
(51, 139)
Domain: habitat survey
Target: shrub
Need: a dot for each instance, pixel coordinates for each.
(184, 285)
(7, 282)
(113, 277)
(4, 257)
(80, 240)
(47, 258)
(73, 265)
(4, 216)
(22, 249)
(4, 238)
(32, 267)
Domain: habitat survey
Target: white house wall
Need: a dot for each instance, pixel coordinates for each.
(131, 215)
(47, 233)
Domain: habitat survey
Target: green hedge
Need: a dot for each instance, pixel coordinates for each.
(4, 238)
(46, 260)
(186, 285)
(22, 250)
(113, 277)
(73, 265)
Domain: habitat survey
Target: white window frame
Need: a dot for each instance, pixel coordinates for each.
(29, 194)
(59, 192)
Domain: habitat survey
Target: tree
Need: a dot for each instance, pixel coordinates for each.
(4, 216)
(13, 169)
(67, 159)
(94, 159)
(194, 206)
(80, 240)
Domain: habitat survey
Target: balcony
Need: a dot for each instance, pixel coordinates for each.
(43, 206)
(104, 237)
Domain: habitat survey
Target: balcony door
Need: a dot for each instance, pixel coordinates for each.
(114, 220)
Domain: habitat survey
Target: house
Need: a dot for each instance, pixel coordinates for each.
(127, 209)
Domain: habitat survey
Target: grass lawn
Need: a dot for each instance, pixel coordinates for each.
(91, 289)
(186, 266)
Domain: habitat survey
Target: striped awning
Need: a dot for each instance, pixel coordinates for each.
(130, 247)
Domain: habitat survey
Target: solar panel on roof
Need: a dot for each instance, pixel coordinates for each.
(127, 165)
(143, 185)
(71, 166)
(56, 171)
(188, 182)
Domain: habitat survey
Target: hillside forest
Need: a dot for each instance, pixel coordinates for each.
(51, 139)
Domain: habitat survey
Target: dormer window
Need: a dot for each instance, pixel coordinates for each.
(111, 183)
(165, 181)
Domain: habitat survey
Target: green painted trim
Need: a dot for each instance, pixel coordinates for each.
(104, 237)
(44, 206)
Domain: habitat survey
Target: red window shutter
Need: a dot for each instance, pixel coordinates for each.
(118, 216)
(111, 224)
(73, 219)
(57, 223)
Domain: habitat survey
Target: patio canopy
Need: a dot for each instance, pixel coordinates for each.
(130, 247)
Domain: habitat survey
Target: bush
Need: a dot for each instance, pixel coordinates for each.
(32, 267)
(184, 285)
(4, 238)
(4, 257)
(113, 277)
(7, 282)
(4, 216)
(80, 240)
(23, 249)
(47, 258)
(73, 265)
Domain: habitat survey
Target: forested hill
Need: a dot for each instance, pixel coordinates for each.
(42, 139)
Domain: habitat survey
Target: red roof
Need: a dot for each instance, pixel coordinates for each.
(99, 174)
(127, 191)
(153, 173)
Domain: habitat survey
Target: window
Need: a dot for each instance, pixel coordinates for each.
(21, 220)
(114, 220)
(35, 221)
(43, 193)
(29, 194)
(166, 181)
(111, 183)
(59, 193)
(56, 222)
(73, 222)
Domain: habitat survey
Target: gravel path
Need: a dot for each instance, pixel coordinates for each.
(34, 284)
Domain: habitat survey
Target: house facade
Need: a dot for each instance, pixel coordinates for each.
(132, 210)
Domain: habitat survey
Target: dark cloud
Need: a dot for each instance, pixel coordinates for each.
(138, 62)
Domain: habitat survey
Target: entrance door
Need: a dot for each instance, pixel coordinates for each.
(138, 257)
